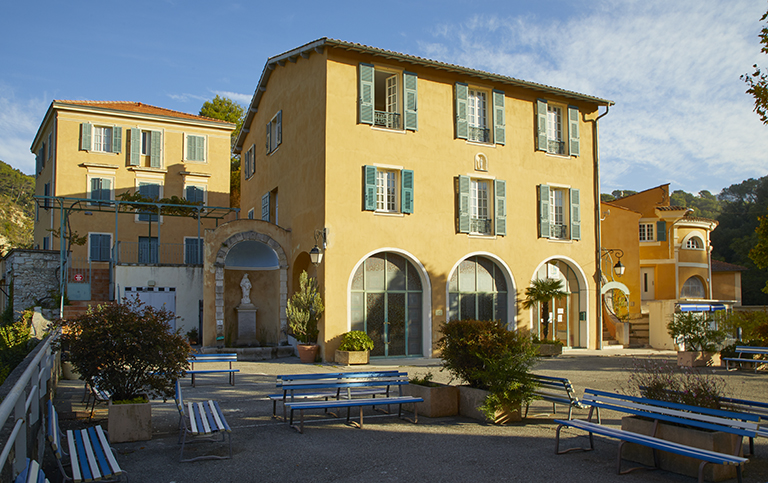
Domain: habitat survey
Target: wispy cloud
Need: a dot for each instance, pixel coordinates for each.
(671, 67)
(188, 97)
(244, 99)
(19, 120)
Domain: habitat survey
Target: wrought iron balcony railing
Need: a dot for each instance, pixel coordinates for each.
(481, 225)
(139, 253)
(556, 147)
(479, 134)
(389, 120)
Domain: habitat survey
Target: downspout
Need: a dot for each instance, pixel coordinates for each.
(598, 233)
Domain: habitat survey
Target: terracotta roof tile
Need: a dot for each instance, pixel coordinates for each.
(718, 266)
(142, 108)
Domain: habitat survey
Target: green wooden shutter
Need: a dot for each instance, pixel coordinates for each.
(406, 192)
(279, 129)
(200, 148)
(269, 136)
(464, 218)
(156, 141)
(85, 136)
(575, 215)
(661, 231)
(411, 105)
(190, 148)
(369, 193)
(573, 130)
(134, 156)
(366, 93)
(106, 189)
(265, 207)
(499, 124)
(95, 189)
(544, 211)
(541, 125)
(117, 139)
(462, 125)
(500, 193)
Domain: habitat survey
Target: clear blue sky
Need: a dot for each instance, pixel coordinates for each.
(672, 67)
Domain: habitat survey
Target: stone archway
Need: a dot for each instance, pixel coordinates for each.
(219, 266)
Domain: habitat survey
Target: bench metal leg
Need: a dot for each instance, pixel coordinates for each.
(557, 443)
(629, 470)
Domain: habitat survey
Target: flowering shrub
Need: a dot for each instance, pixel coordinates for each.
(695, 331)
(663, 381)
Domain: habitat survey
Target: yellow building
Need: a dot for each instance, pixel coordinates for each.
(88, 153)
(434, 192)
(669, 266)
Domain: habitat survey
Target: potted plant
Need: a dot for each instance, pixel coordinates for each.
(542, 291)
(192, 336)
(697, 338)
(303, 310)
(128, 351)
(355, 348)
(494, 362)
(547, 347)
(440, 400)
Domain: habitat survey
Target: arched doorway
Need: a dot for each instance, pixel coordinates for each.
(386, 302)
(477, 289)
(567, 316)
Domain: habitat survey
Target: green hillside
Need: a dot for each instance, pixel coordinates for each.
(17, 208)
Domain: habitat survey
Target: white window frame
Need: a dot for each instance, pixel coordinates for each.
(559, 215)
(647, 232)
(686, 287)
(248, 162)
(89, 191)
(387, 191)
(481, 199)
(146, 142)
(694, 243)
(393, 99)
(205, 148)
(100, 132)
(89, 244)
(478, 117)
(556, 130)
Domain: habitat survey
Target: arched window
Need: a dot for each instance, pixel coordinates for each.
(387, 303)
(477, 290)
(693, 288)
(694, 243)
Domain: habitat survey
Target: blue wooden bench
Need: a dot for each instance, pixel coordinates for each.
(711, 419)
(202, 421)
(90, 456)
(32, 473)
(746, 351)
(304, 386)
(95, 395)
(206, 358)
(557, 390)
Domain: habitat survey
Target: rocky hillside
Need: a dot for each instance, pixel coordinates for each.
(17, 208)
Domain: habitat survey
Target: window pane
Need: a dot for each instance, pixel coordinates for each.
(499, 280)
(358, 311)
(485, 306)
(395, 272)
(500, 312)
(414, 324)
(453, 306)
(396, 324)
(484, 277)
(467, 276)
(357, 279)
(453, 283)
(374, 273)
(414, 282)
(468, 306)
(375, 322)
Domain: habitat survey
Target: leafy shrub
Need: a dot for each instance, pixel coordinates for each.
(486, 355)
(730, 349)
(127, 349)
(663, 381)
(695, 331)
(356, 340)
(304, 309)
(425, 380)
(15, 343)
(753, 325)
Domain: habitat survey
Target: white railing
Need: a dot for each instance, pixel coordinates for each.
(23, 403)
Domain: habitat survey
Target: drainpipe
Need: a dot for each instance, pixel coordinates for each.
(598, 234)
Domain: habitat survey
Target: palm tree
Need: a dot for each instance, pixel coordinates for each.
(542, 291)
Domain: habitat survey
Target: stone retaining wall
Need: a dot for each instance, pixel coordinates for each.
(34, 274)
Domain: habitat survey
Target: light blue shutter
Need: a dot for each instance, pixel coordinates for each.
(104, 248)
(200, 148)
(156, 141)
(194, 194)
(406, 192)
(661, 231)
(499, 124)
(269, 136)
(366, 94)
(575, 215)
(544, 211)
(541, 125)
(85, 136)
(369, 192)
(190, 148)
(411, 106)
(462, 125)
(279, 129)
(95, 188)
(573, 130)
(464, 220)
(117, 139)
(106, 189)
(95, 241)
(134, 156)
(265, 207)
(500, 193)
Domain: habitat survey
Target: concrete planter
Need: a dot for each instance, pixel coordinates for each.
(697, 359)
(352, 357)
(439, 401)
(68, 371)
(684, 465)
(470, 399)
(548, 350)
(130, 422)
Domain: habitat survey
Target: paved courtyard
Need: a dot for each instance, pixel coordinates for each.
(451, 449)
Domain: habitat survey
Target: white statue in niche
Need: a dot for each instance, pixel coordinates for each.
(245, 286)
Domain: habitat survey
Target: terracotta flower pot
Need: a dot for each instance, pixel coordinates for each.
(308, 352)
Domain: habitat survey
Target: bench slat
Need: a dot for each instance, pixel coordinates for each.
(343, 403)
(98, 452)
(90, 457)
(79, 472)
(108, 451)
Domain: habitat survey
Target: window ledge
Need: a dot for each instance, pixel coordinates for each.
(147, 169)
(389, 213)
(561, 240)
(192, 173)
(98, 165)
(561, 156)
(481, 236)
(386, 129)
(478, 143)
(194, 162)
(650, 243)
